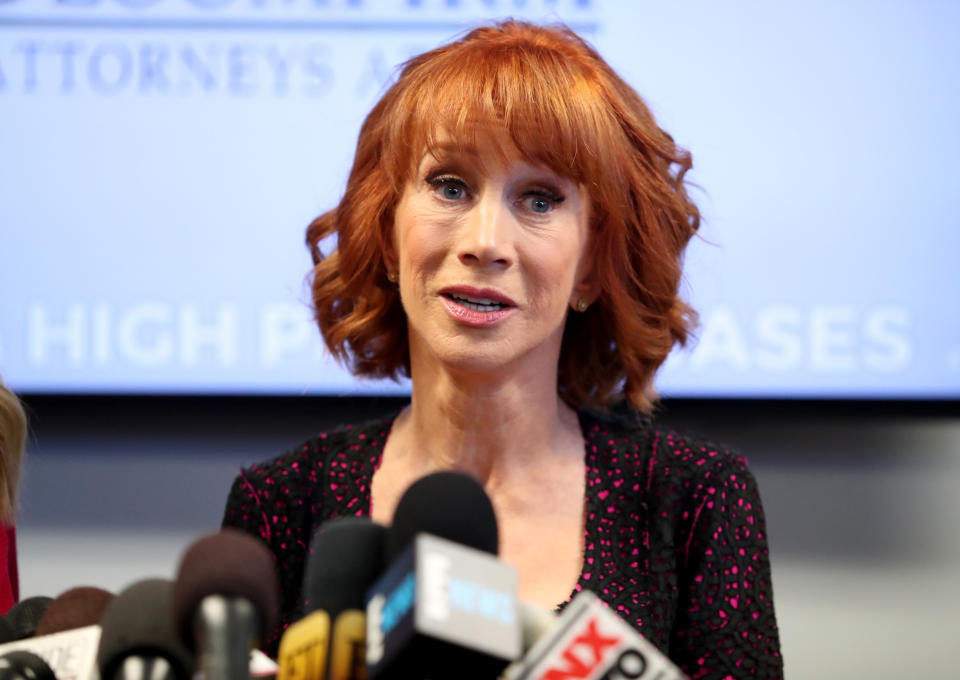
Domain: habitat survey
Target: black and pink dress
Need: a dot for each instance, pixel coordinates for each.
(675, 538)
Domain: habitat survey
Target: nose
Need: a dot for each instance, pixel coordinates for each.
(484, 239)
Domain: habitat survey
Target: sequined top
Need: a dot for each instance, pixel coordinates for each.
(675, 538)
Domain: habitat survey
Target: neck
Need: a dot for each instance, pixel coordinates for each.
(488, 426)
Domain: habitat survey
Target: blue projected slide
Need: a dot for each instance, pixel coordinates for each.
(160, 160)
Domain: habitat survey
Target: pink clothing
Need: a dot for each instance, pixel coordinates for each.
(9, 578)
(675, 538)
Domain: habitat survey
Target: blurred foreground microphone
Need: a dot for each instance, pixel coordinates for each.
(24, 616)
(347, 557)
(225, 601)
(535, 622)
(65, 636)
(446, 607)
(23, 665)
(7, 634)
(450, 505)
(590, 642)
(74, 608)
(138, 640)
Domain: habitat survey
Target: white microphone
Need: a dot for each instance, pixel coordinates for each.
(535, 622)
(590, 642)
(71, 655)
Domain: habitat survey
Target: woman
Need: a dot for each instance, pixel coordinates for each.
(13, 435)
(511, 238)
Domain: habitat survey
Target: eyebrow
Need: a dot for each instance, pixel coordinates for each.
(453, 149)
(460, 158)
(469, 148)
(452, 152)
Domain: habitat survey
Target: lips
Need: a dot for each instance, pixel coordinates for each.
(478, 299)
(478, 307)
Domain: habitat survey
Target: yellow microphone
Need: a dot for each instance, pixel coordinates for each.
(348, 646)
(347, 556)
(303, 648)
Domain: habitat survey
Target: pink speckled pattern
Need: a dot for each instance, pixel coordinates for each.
(675, 537)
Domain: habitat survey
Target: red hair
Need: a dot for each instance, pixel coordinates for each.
(564, 108)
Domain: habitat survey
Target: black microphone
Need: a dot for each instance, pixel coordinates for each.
(23, 665)
(7, 633)
(450, 505)
(225, 601)
(66, 636)
(347, 555)
(588, 641)
(138, 640)
(24, 616)
(74, 608)
(446, 607)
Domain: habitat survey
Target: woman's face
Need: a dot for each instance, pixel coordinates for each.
(490, 251)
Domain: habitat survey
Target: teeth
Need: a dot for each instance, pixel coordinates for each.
(478, 304)
(476, 301)
(479, 308)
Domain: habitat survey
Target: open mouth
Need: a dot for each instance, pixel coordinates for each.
(476, 304)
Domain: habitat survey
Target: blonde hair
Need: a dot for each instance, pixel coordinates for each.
(13, 437)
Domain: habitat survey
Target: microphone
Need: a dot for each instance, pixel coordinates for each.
(23, 665)
(74, 608)
(24, 616)
(302, 654)
(346, 558)
(590, 642)
(225, 601)
(446, 607)
(59, 632)
(7, 634)
(450, 505)
(535, 622)
(138, 640)
(66, 637)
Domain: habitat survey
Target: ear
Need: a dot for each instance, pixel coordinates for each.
(586, 286)
(390, 259)
(584, 294)
(390, 265)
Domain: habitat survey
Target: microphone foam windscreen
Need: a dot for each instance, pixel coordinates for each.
(229, 563)
(24, 664)
(450, 505)
(7, 634)
(137, 623)
(24, 616)
(347, 556)
(74, 608)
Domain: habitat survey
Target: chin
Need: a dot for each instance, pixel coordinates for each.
(490, 359)
(474, 360)
(488, 353)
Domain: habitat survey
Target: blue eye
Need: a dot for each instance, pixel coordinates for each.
(452, 191)
(541, 203)
(448, 188)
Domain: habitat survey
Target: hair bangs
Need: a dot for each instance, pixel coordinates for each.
(473, 95)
